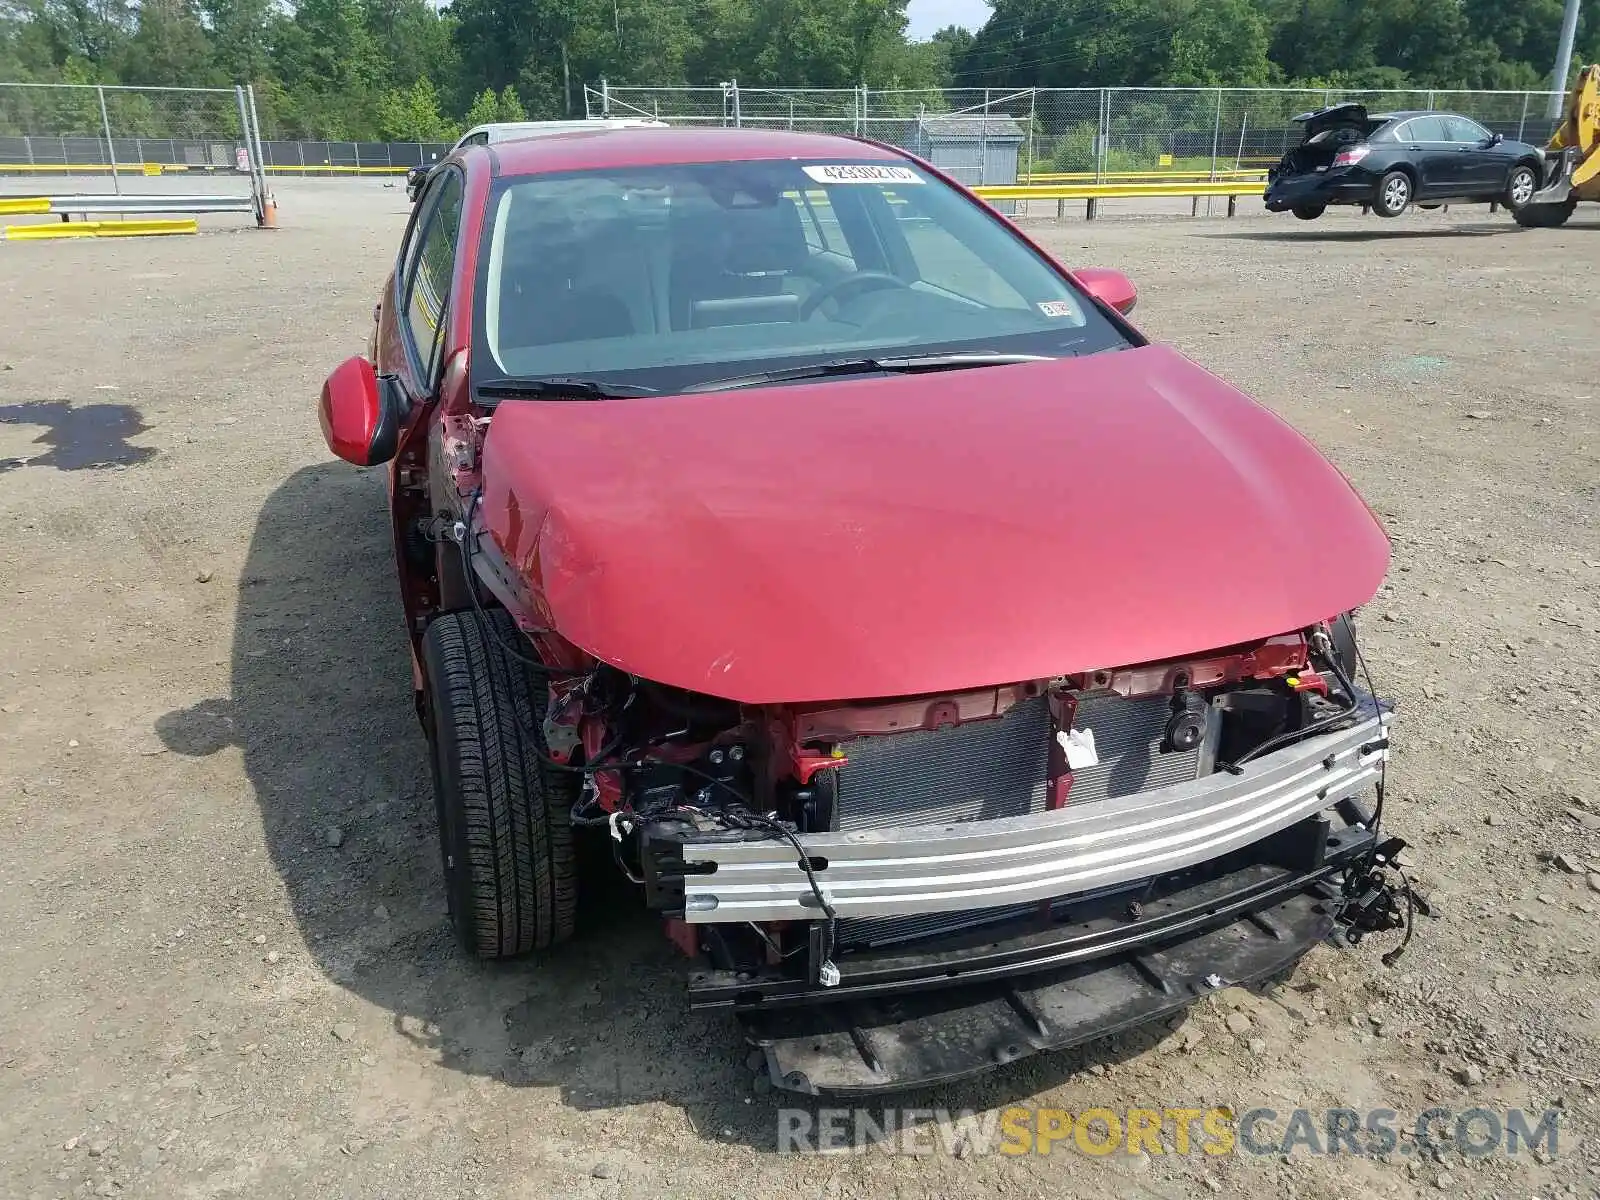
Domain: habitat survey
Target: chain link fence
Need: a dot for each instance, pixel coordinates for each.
(1089, 133)
(287, 157)
(96, 137)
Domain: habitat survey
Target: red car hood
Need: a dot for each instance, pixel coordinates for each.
(932, 533)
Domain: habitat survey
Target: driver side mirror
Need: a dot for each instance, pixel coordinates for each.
(1111, 288)
(362, 413)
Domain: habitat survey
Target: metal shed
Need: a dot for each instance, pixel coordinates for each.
(971, 148)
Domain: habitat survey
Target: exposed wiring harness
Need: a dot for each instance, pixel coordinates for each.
(745, 816)
(1321, 725)
(1379, 856)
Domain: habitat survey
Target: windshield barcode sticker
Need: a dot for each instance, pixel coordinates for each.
(1057, 308)
(861, 173)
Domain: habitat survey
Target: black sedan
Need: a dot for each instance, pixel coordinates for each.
(1387, 161)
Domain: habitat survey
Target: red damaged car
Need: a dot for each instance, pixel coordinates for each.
(957, 673)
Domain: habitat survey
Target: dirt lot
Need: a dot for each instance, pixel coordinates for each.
(226, 964)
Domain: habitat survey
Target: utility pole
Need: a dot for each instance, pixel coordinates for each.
(1569, 32)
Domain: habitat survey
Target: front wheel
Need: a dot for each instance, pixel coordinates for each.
(1394, 194)
(505, 827)
(1520, 186)
(1309, 212)
(1544, 216)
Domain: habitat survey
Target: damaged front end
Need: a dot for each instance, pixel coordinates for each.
(900, 892)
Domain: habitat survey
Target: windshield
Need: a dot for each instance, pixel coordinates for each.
(668, 276)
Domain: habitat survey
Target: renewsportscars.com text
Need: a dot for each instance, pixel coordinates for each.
(1215, 1131)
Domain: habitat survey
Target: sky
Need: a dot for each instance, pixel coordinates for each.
(930, 15)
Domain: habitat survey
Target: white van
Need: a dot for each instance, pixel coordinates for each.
(514, 131)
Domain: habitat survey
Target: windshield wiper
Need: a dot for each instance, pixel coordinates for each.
(890, 365)
(561, 387)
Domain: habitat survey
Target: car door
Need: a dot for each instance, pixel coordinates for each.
(1429, 149)
(1484, 164)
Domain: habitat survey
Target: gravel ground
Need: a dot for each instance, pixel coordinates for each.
(227, 967)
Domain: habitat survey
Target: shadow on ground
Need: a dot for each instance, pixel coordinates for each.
(1306, 231)
(321, 708)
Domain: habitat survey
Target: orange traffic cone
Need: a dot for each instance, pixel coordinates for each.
(269, 212)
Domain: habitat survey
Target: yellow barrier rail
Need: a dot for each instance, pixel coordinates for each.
(1093, 193)
(1116, 191)
(23, 206)
(91, 168)
(333, 169)
(1142, 176)
(162, 168)
(83, 229)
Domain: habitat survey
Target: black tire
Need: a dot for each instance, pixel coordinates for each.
(1544, 216)
(1309, 212)
(1393, 195)
(505, 829)
(1521, 184)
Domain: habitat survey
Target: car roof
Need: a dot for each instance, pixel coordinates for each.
(503, 130)
(598, 149)
(1405, 114)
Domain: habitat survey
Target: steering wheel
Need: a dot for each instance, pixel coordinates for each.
(861, 281)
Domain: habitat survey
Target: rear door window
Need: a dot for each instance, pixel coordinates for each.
(1425, 129)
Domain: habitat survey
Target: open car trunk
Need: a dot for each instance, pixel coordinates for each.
(1326, 132)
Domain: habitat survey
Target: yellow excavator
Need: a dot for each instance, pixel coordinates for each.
(1572, 159)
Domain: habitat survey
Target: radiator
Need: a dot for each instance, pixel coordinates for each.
(1127, 737)
(988, 769)
(977, 771)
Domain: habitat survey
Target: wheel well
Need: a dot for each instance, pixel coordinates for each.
(1527, 160)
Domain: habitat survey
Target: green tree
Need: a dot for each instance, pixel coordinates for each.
(168, 43)
(366, 68)
(241, 37)
(1219, 43)
(510, 107)
(485, 109)
(413, 115)
(93, 31)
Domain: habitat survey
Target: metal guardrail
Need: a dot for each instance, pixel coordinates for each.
(1108, 191)
(11, 168)
(1093, 193)
(146, 228)
(1155, 176)
(100, 202)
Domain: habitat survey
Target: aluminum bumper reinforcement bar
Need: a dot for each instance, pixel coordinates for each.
(982, 864)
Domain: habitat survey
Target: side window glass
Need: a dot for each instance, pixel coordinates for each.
(808, 221)
(941, 259)
(820, 213)
(1427, 129)
(427, 282)
(1462, 130)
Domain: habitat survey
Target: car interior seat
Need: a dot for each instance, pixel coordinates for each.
(569, 284)
(733, 265)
